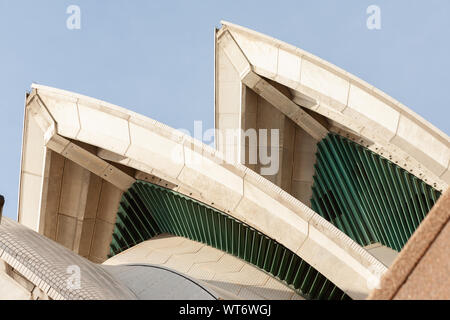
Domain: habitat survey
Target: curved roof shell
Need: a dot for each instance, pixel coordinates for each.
(74, 170)
(62, 120)
(351, 106)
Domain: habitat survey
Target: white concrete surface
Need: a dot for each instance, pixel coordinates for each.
(378, 121)
(231, 188)
(56, 119)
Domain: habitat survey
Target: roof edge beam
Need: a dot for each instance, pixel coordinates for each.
(74, 152)
(90, 162)
(267, 91)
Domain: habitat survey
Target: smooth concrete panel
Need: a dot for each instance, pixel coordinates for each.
(227, 73)
(32, 170)
(52, 201)
(259, 53)
(424, 145)
(229, 121)
(228, 95)
(155, 150)
(65, 112)
(324, 81)
(289, 66)
(228, 89)
(366, 104)
(34, 150)
(30, 200)
(112, 134)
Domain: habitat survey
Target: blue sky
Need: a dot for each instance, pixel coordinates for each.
(156, 57)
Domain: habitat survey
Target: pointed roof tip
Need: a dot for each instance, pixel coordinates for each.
(235, 26)
(225, 23)
(260, 35)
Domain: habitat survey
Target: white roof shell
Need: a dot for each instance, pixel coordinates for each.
(354, 107)
(105, 140)
(149, 146)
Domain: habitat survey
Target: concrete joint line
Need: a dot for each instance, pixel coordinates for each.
(348, 96)
(243, 194)
(79, 119)
(41, 114)
(396, 130)
(302, 57)
(33, 174)
(129, 138)
(304, 241)
(278, 59)
(184, 161)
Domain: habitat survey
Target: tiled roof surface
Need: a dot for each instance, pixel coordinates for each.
(45, 263)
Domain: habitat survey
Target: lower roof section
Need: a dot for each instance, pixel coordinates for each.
(60, 274)
(217, 269)
(147, 210)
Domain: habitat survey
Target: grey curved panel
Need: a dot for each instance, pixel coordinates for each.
(150, 282)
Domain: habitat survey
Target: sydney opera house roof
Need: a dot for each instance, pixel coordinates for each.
(128, 199)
